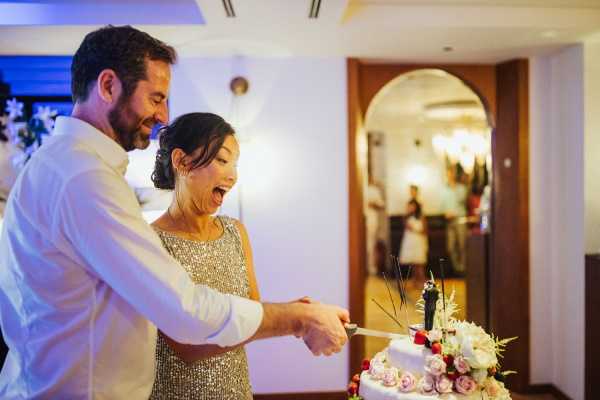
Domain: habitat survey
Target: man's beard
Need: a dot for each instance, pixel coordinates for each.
(128, 126)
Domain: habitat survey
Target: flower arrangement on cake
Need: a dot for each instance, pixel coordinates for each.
(443, 357)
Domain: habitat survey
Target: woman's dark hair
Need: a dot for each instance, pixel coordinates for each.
(121, 48)
(417, 205)
(189, 132)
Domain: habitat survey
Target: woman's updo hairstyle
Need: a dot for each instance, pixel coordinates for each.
(188, 132)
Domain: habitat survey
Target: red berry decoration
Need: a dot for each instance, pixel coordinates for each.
(449, 360)
(436, 348)
(356, 378)
(366, 364)
(421, 337)
(352, 388)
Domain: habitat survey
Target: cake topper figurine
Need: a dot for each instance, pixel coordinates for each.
(430, 296)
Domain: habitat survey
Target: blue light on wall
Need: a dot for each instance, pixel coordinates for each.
(37, 75)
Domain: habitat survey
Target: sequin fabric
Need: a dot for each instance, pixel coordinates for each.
(221, 265)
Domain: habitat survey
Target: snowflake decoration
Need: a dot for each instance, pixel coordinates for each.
(14, 108)
(46, 115)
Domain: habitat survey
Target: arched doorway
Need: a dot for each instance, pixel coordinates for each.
(503, 91)
(428, 197)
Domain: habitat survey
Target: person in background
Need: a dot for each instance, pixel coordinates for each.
(454, 207)
(413, 193)
(84, 281)
(375, 204)
(414, 247)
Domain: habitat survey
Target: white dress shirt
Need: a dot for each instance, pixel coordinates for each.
(85, 280)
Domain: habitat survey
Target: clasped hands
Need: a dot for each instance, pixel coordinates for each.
(322, 327)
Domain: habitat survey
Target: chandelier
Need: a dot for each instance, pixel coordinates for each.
(466, 138)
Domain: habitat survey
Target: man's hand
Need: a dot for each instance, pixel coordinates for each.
(323, 328)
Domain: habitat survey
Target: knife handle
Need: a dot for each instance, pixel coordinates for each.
(350, 329)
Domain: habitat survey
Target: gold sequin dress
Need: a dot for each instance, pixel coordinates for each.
(221, 265)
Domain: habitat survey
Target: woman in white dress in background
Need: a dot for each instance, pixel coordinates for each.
(413, 250)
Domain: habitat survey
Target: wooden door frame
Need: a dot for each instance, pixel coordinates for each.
(503, 89)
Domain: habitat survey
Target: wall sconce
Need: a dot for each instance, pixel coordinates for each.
(239, 86)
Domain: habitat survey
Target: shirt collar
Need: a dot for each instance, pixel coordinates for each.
(107, 149)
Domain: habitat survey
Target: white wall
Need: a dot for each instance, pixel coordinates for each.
(592, 144)
(557, 227)
(293, 173)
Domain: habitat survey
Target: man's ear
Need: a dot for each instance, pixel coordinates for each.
(109, 86)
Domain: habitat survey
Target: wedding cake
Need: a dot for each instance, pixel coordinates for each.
(443, 358)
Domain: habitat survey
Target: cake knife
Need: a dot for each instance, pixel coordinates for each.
(353, 329)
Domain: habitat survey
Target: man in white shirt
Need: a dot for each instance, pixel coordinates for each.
(84, 281)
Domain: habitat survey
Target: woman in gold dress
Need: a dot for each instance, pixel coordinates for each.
(197, 160)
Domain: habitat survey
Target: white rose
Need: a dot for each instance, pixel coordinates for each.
(478, 357)
(479, 375)
(435, 365)
(407, 382)
(478, 348)
(427, 385)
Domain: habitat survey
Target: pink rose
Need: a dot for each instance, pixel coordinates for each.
(407, 382)
(427, 385)
(390, 376)
(435, 365)
(465, 384)
(443, 385)
(461, 365)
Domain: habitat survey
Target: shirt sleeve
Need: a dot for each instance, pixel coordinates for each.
(100, 218)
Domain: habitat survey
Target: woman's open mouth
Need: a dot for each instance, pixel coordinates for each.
(219, 194)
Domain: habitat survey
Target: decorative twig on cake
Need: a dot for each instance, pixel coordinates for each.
(444, 320)
(401, 282)
(390, 294)
(387, 313)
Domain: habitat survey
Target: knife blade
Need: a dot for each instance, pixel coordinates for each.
(353, 329)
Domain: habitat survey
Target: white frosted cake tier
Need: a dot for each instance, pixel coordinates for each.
(407, 356)
(371, 389)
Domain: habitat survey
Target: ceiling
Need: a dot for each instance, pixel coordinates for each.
(474, 31)
(519, 3)
(400, 106)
